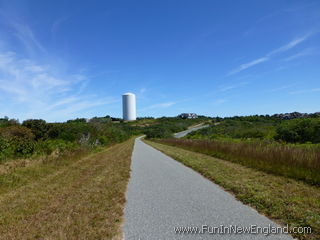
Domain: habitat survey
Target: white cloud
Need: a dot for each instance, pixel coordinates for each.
(268, 56)
(289, 45)
(303, 53)
(248, 65)
(57, 24)
(26, 36)
(306, 91)
(234, 86)
(159, 105)
(281, 88)
(219, 102)
(42, 92)
(34, 88)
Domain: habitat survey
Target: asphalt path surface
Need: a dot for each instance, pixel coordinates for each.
(184, 133)
(163, 194)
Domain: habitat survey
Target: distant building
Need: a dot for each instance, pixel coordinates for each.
(188, 115)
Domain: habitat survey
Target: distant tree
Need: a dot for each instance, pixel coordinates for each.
(82, 120)
(158, 132)
(16, 131)
(299, 130)
(114, 119)
(38, 127)
(54, 130)
(4, 122)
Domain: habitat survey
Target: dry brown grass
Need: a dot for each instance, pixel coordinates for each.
(283, 199)
(77, 199)
(301, 163)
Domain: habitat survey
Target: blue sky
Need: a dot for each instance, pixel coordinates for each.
(65, 59)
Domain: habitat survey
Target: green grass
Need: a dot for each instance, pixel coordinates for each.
(285, 200)
(76, 197)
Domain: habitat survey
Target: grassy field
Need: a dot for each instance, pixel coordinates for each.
(80, 196)
(301, 162)
(285, 200)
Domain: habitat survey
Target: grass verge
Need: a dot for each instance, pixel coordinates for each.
(297, 162)
(285, 200)
(78, 198)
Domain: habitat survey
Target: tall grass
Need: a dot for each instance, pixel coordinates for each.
(298, 162)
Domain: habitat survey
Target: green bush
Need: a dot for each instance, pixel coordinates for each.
(36, 137)
(158, 132)
(16, 131)
(299, 131)
(239, 128)
(49, 146)
(22, 147)
(6, 150)
(38, 127)
(71, 131)
(17, 141)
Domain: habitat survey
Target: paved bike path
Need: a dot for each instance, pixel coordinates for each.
(163, 194)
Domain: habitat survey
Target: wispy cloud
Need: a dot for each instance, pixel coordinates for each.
(26, 36)
(159, 105)
(269, 55)
(142, 90)
(289, 45)
(306, 91)
(219, 101)
(281, 88)
(261, 20)
(248, 65)
(305, 52)
(42, 92)
(32, 85)
(234, 86)
(21, 31)
(57, 23)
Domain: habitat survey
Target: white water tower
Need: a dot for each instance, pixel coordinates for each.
(129, 106)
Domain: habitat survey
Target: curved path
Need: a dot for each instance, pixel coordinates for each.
(186, 132)
(164, 194)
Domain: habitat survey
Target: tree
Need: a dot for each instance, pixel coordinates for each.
(38, 127)
(299, 130)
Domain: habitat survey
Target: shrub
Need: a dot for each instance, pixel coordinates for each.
(16, 141)
(158, 132)
(237, 128)
(22, 147)
(6, 149)
(38, 127)
(71, 131)
(299, 130)
(47, 147)
(16, 131)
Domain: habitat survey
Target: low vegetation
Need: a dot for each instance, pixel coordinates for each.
(76, 196)
(63, 180)
(53, 176)
(298, 162)
(166, 127)
(36, 138)
(258, 127)
(299, 130)
(283, 147)
(68, 180)
(283, 199)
